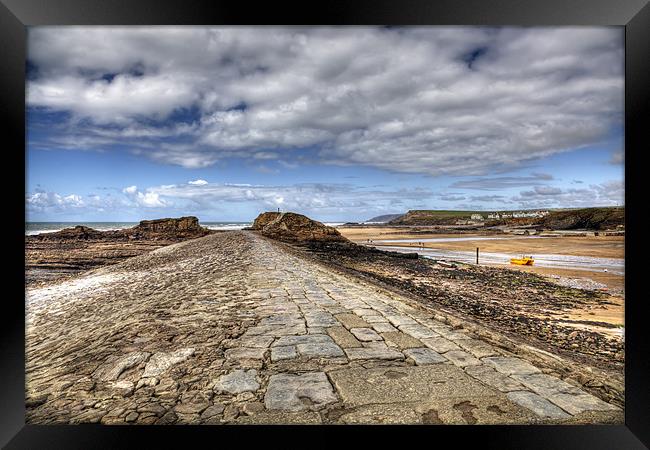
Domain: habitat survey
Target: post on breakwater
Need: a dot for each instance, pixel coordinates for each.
(476, 255)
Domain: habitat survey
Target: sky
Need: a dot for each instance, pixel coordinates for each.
(338, 123)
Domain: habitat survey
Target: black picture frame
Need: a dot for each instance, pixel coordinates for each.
(16, 15)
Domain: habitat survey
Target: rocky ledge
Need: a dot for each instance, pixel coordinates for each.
(168, 229)
(292, 227)
(54, 256)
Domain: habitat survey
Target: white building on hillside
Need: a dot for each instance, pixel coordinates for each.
(476, 217)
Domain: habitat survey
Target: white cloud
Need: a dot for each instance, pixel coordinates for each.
(410, 99)
(150, 200)
(130, 190)
(198, 182)
(609, 193)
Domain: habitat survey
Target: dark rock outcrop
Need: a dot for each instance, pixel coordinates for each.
(292, 227)
(264, 219)
(160, 229)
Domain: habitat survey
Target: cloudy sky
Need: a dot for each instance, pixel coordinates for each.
(338, 123)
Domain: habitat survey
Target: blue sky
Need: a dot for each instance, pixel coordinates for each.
(341, 124)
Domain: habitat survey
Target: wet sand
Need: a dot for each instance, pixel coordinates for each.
(595, 246)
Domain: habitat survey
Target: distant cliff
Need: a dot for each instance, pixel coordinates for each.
(599, 218)
(383, 219)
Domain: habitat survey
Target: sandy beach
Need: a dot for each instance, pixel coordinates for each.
(610, 247)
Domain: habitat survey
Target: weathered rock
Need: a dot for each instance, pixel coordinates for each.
(113, 367)
(537, 404)
(461, 358)
(292, 227)
(284, 352)
(373, 353)
(402, 340)
(298, 392)
(211, 411)
(343, 337)
(423, 356)
(238, 381)
(160, 362)
(491, 377)
(511, 366)
(365, 334)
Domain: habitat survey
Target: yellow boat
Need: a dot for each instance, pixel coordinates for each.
(523, 261)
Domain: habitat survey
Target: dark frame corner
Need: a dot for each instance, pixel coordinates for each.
(16, 15)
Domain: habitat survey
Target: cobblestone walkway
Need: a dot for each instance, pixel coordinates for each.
(231, 328)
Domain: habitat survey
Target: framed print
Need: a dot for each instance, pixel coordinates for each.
(241, 220)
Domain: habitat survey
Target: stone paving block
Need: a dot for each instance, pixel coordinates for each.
(289, 392)
(477, 348)
(320, 350)
(320, 319)
(245, 353)
(440, 344)
(423, 356)
(282, 353)
(376, 320)
(510, 365)
(537, 404)
(238, 381)
(258, 341)
(401, 340)
(365, 334)
(343, 337)
(419, 384)
(390, 413)
(491, 377)
(577, 401)
(418, 331)
(301, 339)
(398, 320)
(568, 397)
(364, 311)
(544, 384)
(461, 358)
(351, 321)
(373, 353)
(383, 327)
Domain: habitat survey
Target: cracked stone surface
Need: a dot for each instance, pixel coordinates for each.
(236, 328)
(424, 356)
(238, 381)
(297, 392)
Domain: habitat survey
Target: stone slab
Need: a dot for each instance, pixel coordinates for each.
(491, 377)
(365, 334)
(343, 337)
(510, 365)
(349, 320)
(537, 404)
(307, 391)
(361, 386)
(423, 356)
(378, 352)
(401, 340)
(461, 358)
(238, 381)
(440, 344)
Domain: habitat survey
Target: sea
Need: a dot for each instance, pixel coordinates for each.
(32, 228)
